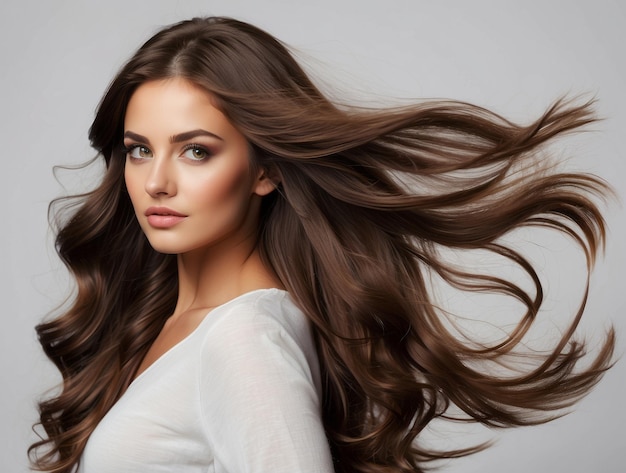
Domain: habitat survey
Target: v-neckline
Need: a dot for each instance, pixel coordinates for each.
(166, 354)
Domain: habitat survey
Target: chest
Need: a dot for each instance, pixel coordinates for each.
(173, 332)
(155, 424)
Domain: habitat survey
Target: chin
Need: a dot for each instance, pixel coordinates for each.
(166, 248)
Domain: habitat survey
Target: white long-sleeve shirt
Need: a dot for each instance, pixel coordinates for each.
(241, 393)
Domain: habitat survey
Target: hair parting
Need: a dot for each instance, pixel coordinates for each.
(366, 201)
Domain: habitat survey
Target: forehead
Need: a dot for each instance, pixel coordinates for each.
(173, 106)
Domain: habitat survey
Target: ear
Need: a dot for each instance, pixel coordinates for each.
(265, 183)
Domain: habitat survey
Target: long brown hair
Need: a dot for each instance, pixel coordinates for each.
(365, 202)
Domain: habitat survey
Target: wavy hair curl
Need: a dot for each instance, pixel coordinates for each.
(366, 200)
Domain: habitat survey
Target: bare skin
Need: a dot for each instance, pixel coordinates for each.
(195, 195)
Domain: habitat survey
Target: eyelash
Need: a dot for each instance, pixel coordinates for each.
(130, 148)
(191, 146)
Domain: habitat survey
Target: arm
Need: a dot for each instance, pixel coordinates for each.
(261, 409)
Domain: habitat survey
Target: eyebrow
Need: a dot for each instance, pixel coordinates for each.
(188, 135)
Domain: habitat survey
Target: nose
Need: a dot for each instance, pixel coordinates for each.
(161, 181)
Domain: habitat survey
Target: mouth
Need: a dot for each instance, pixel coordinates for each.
(163, 218)
(162, 212)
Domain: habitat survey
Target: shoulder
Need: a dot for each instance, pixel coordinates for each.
(260, 339)
(260, 322)
(258, 312)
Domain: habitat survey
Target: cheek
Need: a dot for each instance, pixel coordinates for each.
(228, 190)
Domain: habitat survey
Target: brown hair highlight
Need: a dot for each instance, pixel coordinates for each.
(365, 201)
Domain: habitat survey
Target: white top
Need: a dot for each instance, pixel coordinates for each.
(241, 393)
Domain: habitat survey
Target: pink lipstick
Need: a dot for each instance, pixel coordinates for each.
(162, 217)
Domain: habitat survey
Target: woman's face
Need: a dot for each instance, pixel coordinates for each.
(188, 170)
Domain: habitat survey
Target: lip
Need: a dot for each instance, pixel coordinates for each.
(163, 217)
(162, 211)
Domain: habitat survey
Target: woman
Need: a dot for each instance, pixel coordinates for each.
(253, 271)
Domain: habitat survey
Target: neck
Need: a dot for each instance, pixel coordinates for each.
(212, 276)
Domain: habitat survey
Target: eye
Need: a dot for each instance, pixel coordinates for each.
(196, 153)
(138, 152)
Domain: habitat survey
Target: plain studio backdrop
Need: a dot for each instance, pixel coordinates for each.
(515, 57)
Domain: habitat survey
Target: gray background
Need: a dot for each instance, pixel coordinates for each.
(515, 57)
